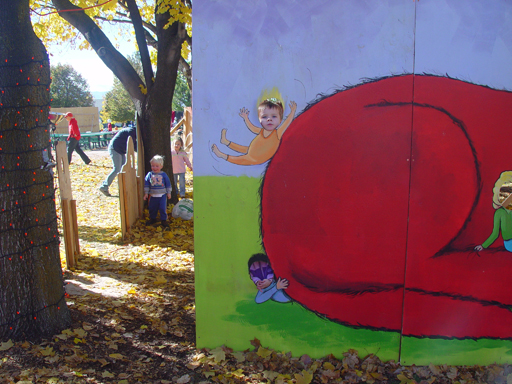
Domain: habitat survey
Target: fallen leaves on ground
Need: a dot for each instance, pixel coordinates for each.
(133, 313)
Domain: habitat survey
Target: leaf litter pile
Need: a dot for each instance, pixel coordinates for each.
(133, 316)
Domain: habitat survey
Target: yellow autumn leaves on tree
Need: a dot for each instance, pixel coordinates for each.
(53, 29)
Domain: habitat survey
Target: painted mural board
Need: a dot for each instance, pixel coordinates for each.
(344, 177)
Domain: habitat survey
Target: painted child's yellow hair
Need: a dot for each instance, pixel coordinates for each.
(505, 178)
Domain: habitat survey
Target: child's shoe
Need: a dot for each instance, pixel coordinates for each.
(151, 222)
(165, 224)
(104, 191)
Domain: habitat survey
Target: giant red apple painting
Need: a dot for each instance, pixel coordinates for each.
(403, 170)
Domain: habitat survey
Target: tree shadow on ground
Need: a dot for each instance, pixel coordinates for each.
(99, 234)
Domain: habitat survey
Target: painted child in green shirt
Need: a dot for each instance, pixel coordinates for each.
(502, 216)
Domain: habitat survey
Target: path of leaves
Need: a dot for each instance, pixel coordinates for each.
(132, 306)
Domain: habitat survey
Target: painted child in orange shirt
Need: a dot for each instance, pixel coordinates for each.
(265, 144)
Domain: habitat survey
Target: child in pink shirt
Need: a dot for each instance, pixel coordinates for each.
(179, 159)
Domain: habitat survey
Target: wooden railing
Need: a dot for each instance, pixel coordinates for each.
(186, 122)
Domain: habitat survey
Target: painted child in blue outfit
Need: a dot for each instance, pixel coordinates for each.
(157, 187)
(263, 276)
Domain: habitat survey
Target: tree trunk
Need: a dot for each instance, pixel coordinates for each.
(31, 285)
(156, 113)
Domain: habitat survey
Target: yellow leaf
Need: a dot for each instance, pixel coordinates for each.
(208, 374)
(403, 379)
(5, 346)
(48, 351)
(304, 378)
(132, 291)
(143, 327)
(264, 353)
(107, 374)
(103, 362)
(240, 373)
(160, 279)
(80, 332)
(143, 89)
(218, 354)
(328, 366)
(239, 356)
(271, 375)
(116, 356)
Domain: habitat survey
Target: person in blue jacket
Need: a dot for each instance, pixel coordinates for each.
(117, 151)
(157, 188)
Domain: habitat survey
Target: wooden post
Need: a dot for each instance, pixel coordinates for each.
(74, 221)
(187, 131)
(140, 170)
(68, 207)
(128, 191)
(186, 121)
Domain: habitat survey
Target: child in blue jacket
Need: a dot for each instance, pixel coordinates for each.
(157, 187)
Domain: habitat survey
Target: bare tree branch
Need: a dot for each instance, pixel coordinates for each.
(141, 41)
(113, 20)
(185, 68)
(152, 42)
(188, 39)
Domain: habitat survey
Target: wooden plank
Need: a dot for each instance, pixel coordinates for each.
(130, 204)
(140, 200)
(122, 203)
(140, 169)
(68, 209)
(68, 235)
(187, 132)
(179, 124)
(76, 240)
(63, 171)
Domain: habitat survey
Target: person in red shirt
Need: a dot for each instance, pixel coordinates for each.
(74, 138)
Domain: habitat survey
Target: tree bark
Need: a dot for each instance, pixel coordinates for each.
(32, 300)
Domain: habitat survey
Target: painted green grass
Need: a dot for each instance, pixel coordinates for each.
(455, 352)
(226, 235)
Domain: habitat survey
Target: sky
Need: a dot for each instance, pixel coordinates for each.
(88, 64)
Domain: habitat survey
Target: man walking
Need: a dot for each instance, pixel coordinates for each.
(117, 152)
(74, 138)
